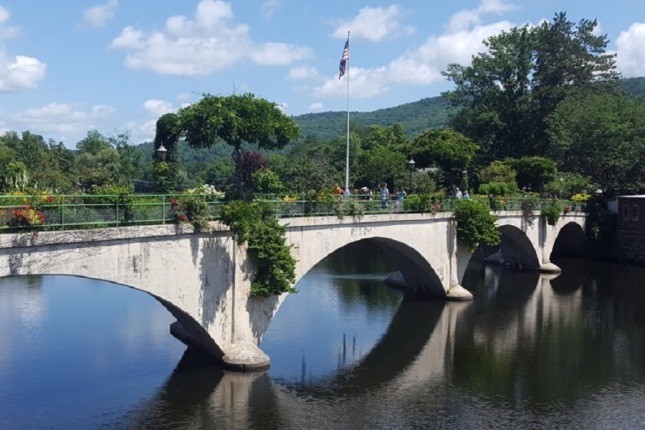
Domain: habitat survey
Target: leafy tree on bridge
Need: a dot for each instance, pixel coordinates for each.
(236, 119)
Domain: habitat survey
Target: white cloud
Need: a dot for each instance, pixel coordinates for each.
(316, 107)
(374, 24)
(157, 107)
(20, 72)
(421, 66)
(630, 60)
(303, 73)
(98, 16)
(147, 130)
(62, 120)
(467, 18)
(5, 31)
(278, 54)
(270, 7)
(424, 65)
(365, 83)
(200, 46)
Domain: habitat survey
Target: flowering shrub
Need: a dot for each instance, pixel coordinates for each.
(27, 216)
(580, 197)
(206, 190)
(193, 210)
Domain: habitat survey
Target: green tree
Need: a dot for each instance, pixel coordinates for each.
(93, 143)
(381, 164)
(475, 224)
(220, 173)
(302, 174)
(568, 57)
(601, 136)
(498, 178)
(168, 132)
(236, 119)
(447, 149)
(98, 170)
(509, 91)
(533, 172)
(266, 181)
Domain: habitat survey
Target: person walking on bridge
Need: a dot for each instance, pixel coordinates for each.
(385, 195)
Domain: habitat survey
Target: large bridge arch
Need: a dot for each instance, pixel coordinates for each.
(189, 274)
(417, 271)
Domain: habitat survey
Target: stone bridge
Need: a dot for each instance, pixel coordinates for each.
(204, 279)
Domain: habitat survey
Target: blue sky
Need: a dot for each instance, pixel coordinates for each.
(68, 67)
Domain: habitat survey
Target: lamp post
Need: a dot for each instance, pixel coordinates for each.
(411, 165)
(161, 153)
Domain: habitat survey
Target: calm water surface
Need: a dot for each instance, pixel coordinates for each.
(347, 352)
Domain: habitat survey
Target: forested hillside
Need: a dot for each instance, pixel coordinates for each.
(634, 86)
(415, 117)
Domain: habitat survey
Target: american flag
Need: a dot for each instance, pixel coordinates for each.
(343, 60)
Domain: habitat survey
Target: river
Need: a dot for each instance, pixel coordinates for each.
(347, 353)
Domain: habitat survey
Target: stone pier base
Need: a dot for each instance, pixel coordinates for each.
(549, 268)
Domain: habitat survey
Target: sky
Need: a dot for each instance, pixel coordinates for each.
(70, 67)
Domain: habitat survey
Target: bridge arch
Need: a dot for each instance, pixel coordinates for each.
(517, 249)
(570, 241)
(417, 271)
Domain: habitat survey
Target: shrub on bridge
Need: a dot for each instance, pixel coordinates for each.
(551, 211)
(348, 207)
(475, 224)
(254, 223)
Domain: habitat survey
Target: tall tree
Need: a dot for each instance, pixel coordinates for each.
(601, 136)
(236, 119)
(568, 58)
(507, 93)
(495, 93)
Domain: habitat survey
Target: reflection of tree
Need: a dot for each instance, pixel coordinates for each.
(537, 345)
(405, 338)
(356, 267)
(362, 291)
(183, 398)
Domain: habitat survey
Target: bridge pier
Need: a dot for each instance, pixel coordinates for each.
(549, 267)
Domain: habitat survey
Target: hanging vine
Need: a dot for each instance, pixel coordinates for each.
(254, 223)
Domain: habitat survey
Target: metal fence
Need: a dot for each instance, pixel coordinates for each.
(66, 212)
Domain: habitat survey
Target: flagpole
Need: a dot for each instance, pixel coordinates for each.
(347, 149)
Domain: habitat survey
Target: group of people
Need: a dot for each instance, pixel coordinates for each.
(459, 195)
(383, 193)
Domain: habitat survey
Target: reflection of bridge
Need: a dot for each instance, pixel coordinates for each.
(204, 279)
(424, 349)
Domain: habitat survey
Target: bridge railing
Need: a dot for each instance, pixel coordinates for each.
(66, 212)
